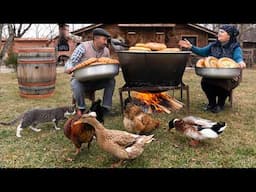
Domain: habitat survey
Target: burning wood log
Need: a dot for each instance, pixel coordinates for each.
(163, 108)
(175, 104)
(158, 102)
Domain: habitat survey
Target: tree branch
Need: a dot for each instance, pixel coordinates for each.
(20, 34)
(8, 42)
(1, 31)
(19, 30)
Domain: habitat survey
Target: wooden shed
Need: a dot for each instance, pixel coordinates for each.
(167, 33)
(249, 47)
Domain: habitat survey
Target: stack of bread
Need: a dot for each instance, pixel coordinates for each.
(152, 46)
(213, 62)
(93, 61)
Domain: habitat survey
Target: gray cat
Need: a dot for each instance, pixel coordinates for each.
(33, 117)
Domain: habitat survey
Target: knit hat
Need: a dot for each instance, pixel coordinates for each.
(230, 29)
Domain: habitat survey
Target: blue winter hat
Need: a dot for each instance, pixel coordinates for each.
(230, 29)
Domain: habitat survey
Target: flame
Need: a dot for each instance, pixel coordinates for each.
(153, 99)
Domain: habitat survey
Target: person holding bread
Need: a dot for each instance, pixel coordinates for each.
(226, 45)
(87, 51)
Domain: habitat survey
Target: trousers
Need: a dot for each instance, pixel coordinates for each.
(80, 88)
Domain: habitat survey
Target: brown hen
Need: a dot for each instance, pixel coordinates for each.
(137, 121)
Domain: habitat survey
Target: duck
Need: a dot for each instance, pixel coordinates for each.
(197, 128)
(137, 121)
(121, 144)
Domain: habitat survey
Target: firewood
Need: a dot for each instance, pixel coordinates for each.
(149, 110)
(163, 108)
(175, 104)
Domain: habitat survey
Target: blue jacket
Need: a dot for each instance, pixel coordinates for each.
(207, 51)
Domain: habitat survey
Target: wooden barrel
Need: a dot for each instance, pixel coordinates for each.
(36, 72)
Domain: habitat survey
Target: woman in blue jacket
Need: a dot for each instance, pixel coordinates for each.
(217, 90)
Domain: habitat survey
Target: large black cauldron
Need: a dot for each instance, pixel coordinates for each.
(153, 68)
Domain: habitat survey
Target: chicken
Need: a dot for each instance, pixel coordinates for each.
(197, 128)
(78, 132)
(121, 144)
(137, 121)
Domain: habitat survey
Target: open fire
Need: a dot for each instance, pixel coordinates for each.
(156, 102)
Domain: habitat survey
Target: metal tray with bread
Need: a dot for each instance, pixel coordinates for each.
(96, 70)
(211, 67)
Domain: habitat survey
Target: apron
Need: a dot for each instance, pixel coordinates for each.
(227, 84)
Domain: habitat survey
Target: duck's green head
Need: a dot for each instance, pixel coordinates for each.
(172, 123)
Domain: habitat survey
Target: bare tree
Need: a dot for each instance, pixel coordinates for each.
(20, 30)
(37, 30)
(52, 31)
(13, 31)
(216, 27)
(212, 26)
(243, 28)
(1, 31)
(7, 43)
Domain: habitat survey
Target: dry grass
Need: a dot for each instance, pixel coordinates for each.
(49, 148)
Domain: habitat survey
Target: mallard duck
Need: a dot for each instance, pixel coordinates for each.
(121, 144)
(197, 128)
(137, 121)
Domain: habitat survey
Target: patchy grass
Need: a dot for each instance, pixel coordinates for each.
(50, 148)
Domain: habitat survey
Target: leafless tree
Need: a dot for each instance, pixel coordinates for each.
(1, 31)
(8, 42)
(20, 29)
(13, 30)
(243, 28)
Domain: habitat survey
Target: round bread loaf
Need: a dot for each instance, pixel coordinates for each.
(200, 62)
(170, 50)
(226, 62)
(211, 62)
(140, 45)
(139, 49)
(155, 46)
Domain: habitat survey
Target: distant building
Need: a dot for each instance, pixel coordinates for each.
(64, 43)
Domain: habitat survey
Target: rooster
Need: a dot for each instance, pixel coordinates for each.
(197, 128)
(137, 121)
(78, 132)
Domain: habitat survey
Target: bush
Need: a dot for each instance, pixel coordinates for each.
(11, 60)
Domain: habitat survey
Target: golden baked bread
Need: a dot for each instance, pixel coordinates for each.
(94, 61)
(170, 50)
(107, 60)
(155, 46)
(85, 63)
(226, 62)
(200, 62)
(211, 62)
(139, 49)
(140, 45)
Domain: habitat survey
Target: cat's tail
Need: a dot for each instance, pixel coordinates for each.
(13, 121)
